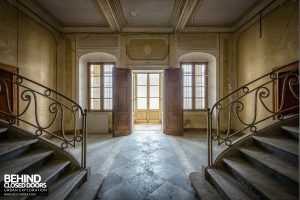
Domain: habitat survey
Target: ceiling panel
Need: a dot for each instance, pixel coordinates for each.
(147, 13)
(73, 12)
(220, 12)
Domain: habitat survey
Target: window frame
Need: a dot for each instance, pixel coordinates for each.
(194, 85)
(101, 86)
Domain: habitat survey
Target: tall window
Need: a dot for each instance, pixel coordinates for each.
(194, 86)
(100, 86)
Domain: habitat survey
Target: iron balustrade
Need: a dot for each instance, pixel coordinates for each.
(65, 115)
(228, 120)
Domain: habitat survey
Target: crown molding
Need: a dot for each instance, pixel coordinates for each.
(188, 9)
(147, 30)
(32, 9)
(208, 29)
(109, 15)
(86, 29)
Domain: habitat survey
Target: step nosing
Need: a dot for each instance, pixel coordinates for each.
(248, 173)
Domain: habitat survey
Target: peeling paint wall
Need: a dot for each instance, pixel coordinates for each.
(277, 46)
(32, 48)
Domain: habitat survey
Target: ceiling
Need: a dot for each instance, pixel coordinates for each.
(120, 15)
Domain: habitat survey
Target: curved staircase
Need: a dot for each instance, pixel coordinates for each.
(23, 152)
(265, 166)
(257, 130)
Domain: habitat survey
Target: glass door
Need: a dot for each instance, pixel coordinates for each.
(147, 98)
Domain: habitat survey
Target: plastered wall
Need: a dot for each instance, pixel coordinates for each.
(277, 46)
(30, 47)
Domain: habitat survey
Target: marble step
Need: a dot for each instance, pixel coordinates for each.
(90, 188)
(50, 172)
(65, 186)
(259, 184)
(203, 189)
(10, 148)
(228, 187)
(282, 170)
(291, 130)
(26, 163)
(280, 145)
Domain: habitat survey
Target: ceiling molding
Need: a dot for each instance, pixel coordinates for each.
(188, 9)
(176, 12)
(147, 30)
(252, 12)
(109, 15)
(118, 11)
(85, 29)
(38, 10)
(216, 29)
(99, 11)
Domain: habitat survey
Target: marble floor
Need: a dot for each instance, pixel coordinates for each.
(146, 164)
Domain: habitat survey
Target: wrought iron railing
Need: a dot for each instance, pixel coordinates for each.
(45, 112)
(249, 108)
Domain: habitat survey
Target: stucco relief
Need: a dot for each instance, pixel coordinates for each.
(147, 49)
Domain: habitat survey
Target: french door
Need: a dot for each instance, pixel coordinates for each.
(147, 107)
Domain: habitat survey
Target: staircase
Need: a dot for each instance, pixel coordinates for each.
(259, 141)
(263, 167)
(23, 153)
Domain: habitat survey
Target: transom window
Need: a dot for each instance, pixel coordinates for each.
(100, 86)
(194, 86)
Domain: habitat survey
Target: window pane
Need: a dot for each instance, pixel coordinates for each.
(200, 92)
(95, 104)
(95, 70)
(154, 103)
(107, 93)
(187, 80)
(154, 91)
(200, 103)
(187, 69)
(187, 92)
(107, 104)
(142, 103)
(107, 69)
(154, 79)
(200, 69)
(95, 81)
(200, 81)
(107, 81)
(95, 92)
(141, 79)
(187, 103)
(142, 91)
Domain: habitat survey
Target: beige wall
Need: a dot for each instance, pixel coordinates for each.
(55, 61)
(277, 46)
(34, 52)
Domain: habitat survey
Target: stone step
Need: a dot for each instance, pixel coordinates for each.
(90, 188)
(280, 145)
(203, 189)
(3, 133)
(26, 163)
(51, 171)
(282, 170)
(228, 187)
(291, 130)
(64, 188)
(11, 148)
(256, 182)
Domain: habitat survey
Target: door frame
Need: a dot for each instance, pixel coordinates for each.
(148, 86)
(15, 97)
